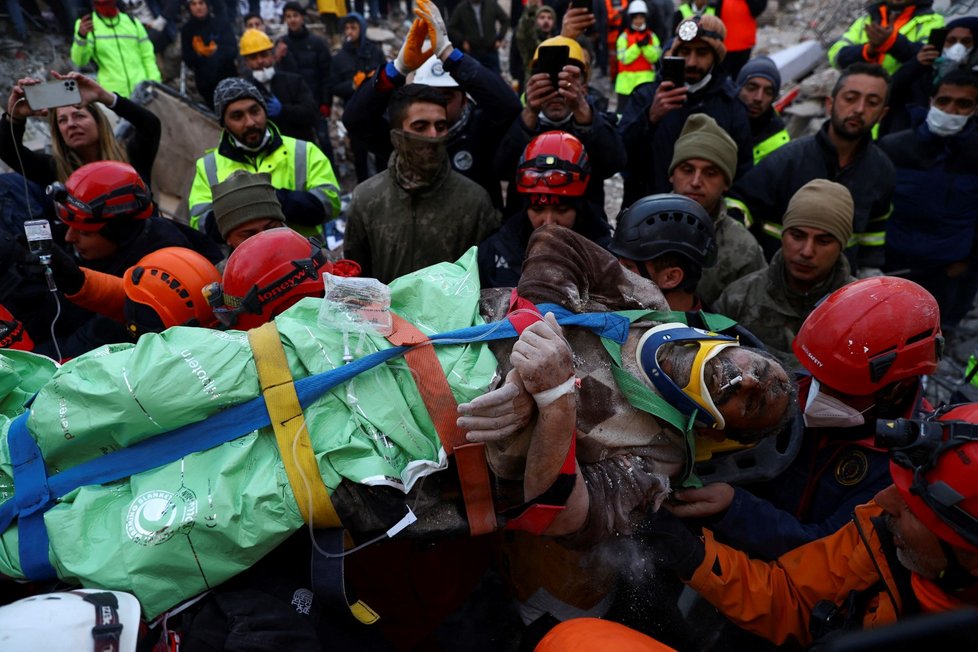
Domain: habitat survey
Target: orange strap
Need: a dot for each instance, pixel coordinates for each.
(898, 24)
(470, 459)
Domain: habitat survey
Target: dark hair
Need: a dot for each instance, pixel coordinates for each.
(248, 17)
(691, 271)
(862, 68)
(405, 96)
(964, 78)
(292, 5)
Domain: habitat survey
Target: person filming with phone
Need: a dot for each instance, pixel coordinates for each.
(657, 111)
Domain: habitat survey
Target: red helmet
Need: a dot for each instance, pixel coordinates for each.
(267, 274)
(871, 333)
(13, 335)
(554, 163)
(99, 192)
(936, 476)
(165, 288)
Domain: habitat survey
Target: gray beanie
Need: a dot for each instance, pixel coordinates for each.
(703, 138)
(762, 67)
(822, 204)
(244, 197)
(235, 88)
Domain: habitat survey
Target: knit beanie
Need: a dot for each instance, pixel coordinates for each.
(232, 89)
(822, 204)
(244, 197)
(762, 67)
(703, 138)
(710, 30)
(544, 9)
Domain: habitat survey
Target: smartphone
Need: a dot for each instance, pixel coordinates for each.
(674, 70)
(937, 37)
(39, 236)
(49, 95)
(551, 59)
(583, 4)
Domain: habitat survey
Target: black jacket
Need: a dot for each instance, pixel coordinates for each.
(209, 70)
(767, 188)
(313, 60)
(299, 108)
(650, 147)
(352, 58)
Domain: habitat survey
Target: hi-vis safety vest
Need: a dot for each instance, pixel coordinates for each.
(687, 11)
(120, 48)
(770, 144)
(635, 62)
(295, 165)
(916, 29)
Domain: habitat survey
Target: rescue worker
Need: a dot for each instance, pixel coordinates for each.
(894, 330)
(245, 205)
(889, 34)
(419, 211)
(290, 103)
(303, 177)
(479, 28)
(773, 303)
(475, 126)
(843, 151)
(669, 240)
(689, 9)
(637, 50)
(552, 176)
(314, 63)
(119, 46)
(759, 82)
(568, 108)
(912, 549)
(13, 335)
(657, 112)
(702, 167)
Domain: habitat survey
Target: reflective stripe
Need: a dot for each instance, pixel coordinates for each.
(301, 162)
(210, 169)
(738, 205)
(80, 42)
(772, 229)
(323, 199)
(872, 239)
(770, 144)
(197, 214)
(115, 36)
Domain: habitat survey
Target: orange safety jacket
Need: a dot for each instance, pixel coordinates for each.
(741, 25)
(101, 293)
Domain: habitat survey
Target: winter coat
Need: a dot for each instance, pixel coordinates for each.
(313, 60)
(462, 26)
(392, 232)
(209, 69)
(352, 58)
(853, 46)
(738, 254)
(650, 147)
(935, 204)
(120, 48)
(765, 191)
(763, 303)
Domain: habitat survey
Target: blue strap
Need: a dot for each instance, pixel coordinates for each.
(31, 499)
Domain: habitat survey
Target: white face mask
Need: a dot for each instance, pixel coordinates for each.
(824, 411)
(945, 124)
(264, 75)
(701, 83)
(956, 53)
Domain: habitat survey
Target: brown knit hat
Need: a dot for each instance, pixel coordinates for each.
(243, 197)
(708, 28)
(703, 138)
(822, 204)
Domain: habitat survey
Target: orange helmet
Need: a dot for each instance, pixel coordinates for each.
(267, 274)
(13, 335)
(871, 333)
(100, 192)
(553, 163)
(165, 288)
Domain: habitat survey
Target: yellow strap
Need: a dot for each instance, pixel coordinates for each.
(289, 426)
(695, 388)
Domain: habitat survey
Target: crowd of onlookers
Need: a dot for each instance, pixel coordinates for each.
(723, 211)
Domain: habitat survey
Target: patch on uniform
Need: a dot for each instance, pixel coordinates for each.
(462, 161)
(852, 469)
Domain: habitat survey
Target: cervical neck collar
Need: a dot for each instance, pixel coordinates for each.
(694, 397)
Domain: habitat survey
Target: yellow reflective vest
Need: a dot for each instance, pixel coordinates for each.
(120, 48)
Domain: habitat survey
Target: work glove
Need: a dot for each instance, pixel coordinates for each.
(203, 50)
(68, 276)
(325, 110)
(358, 79)
(437, 32)
(158, 23)
(645, 40)
(671, 544)
(411, 55)
(274, 107)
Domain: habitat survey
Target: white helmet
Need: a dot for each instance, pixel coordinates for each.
(432, 73)
(637, 7)
(84, 619)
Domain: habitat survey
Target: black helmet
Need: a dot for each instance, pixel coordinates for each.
(659, 224)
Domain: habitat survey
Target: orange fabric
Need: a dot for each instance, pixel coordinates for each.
(902, 19)
(775, 599)
(641, 64)
(741, 26)
(101, 293)
(473, 476)
(932, 599)
(590, 634)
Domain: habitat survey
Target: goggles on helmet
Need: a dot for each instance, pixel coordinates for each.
(93, 216)
(548, 170)
(918, 445)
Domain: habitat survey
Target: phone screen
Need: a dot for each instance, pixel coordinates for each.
(582, 4)
(674, 70)
(551, 59)
(937, 37)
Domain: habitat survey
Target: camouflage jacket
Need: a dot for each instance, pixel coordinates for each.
(738, 254)
(764, 304)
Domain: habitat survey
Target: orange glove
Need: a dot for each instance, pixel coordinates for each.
(411, 56)
(358, 79)
(201, 49)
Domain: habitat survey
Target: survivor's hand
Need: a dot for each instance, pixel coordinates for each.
(85, 26)
(542, 356)
(88, 88)
(876, 34)
(576, 20)
(700, 503)
(17, 105)
(574, 91)
(667, 98)
(927, 55)
(498, 414)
